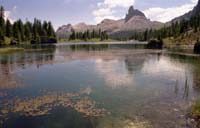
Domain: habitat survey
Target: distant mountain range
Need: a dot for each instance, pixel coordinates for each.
(134, 20)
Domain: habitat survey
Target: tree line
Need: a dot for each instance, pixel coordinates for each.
(87, 35)
(19, 32)
(174, 30)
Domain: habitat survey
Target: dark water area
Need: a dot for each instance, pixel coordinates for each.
(97, 86)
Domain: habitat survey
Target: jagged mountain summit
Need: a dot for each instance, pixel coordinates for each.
(133, 12)
(134, 20)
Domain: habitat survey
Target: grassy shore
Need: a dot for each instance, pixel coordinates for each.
(10, 50)
(184, 41)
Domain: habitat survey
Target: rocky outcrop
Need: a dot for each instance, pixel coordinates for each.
(133, 12)
(64, 29)
(83, 27)
(140, 23)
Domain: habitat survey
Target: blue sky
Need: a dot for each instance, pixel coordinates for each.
(62, 12)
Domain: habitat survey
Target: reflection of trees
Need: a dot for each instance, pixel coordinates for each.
(193, 66)
(193, 63)
(89, 47)
(31, 57)
(10, 62)
(196, 75)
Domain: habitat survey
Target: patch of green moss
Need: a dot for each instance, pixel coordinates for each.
(10, 50)
(196, 109)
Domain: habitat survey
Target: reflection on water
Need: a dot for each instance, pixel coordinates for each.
(101, 85)
(113, 76)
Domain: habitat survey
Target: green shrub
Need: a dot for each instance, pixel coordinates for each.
(155, 44)
(197, 47)
(196, 109)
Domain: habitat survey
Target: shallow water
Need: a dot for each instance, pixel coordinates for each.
(97, 86)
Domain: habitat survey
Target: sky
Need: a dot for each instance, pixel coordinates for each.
(62, 12)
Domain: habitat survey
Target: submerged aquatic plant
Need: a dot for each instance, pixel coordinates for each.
(137, 124)
(42, 105)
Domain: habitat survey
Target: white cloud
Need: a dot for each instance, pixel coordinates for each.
(98, 19)
(103, 12)
(107, 9)
(8, 14)
(166, 14)
(117, 3)
(194, 1)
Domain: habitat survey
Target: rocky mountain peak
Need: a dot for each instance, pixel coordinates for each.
(133, 12)
(64, 29)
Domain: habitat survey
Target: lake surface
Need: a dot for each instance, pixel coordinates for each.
(97, 86)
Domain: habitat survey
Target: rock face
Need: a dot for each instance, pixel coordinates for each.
(135, 20)
(133, 12)
(83, 27)
(64, 29)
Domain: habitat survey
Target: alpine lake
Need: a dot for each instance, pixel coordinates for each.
(86, 85)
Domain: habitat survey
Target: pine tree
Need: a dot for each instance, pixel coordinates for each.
(27, 31)
(20, 28)
(2, 12)
(1, 37)
(51, 32)
(35, 29)
(8, 29)
(2, 21)
(16, 33)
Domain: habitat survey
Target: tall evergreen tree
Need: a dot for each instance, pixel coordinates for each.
(1, 37)
(16, 33)
(8, 29)
(27, 31)
(51, 32)
(2, 21)
(36, 37)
